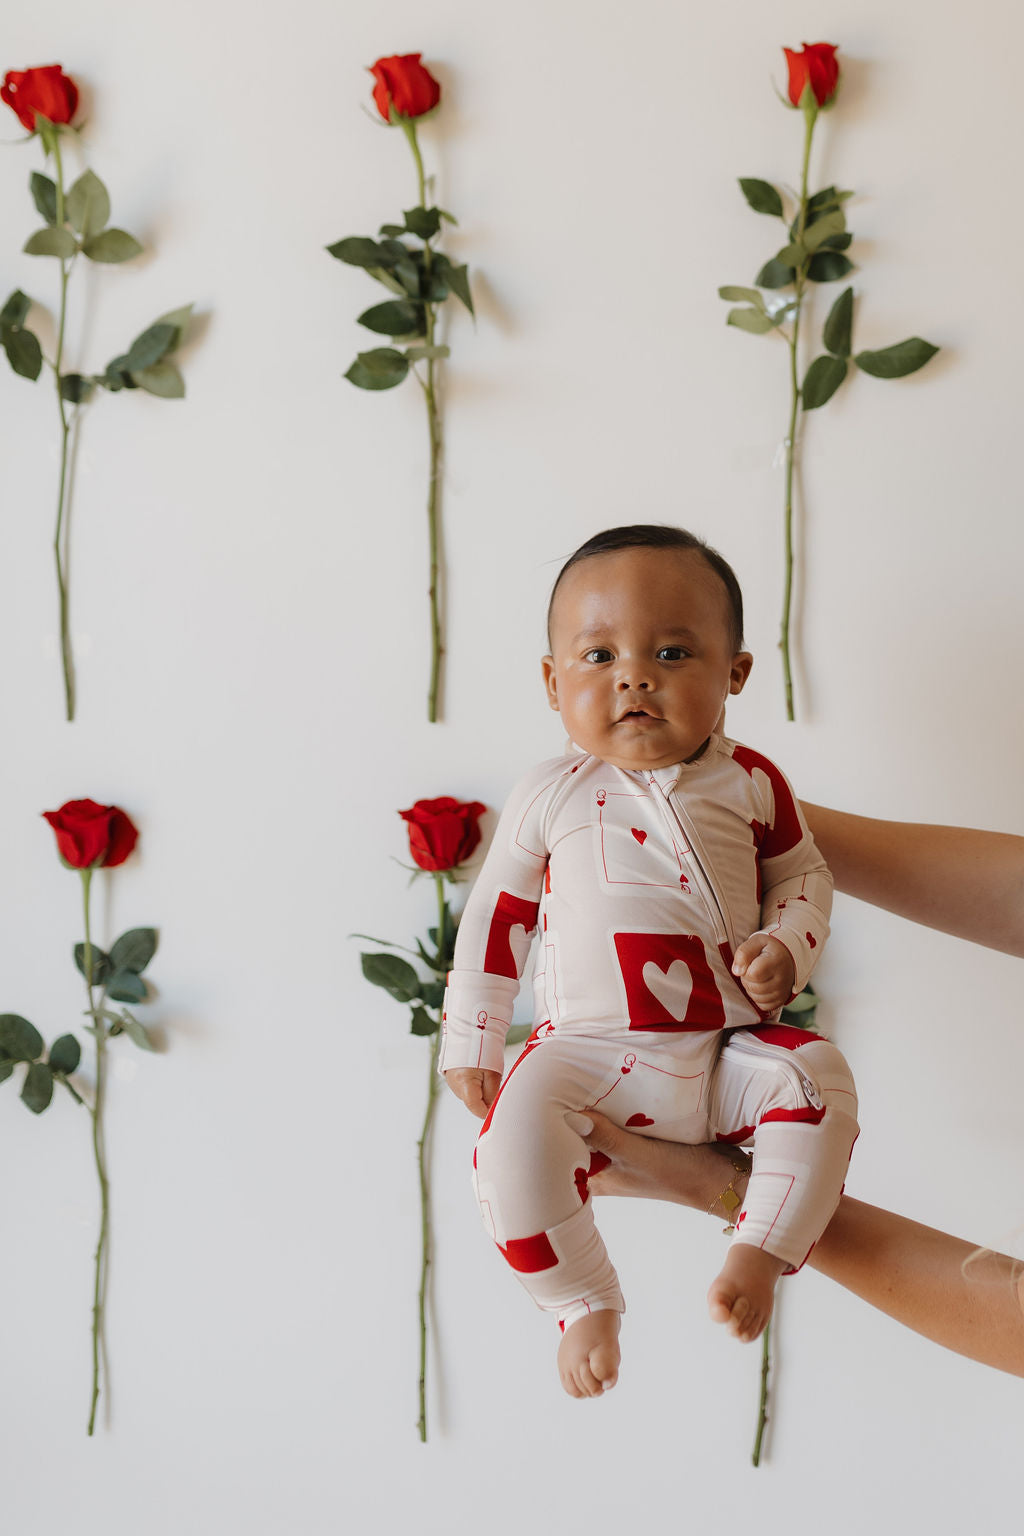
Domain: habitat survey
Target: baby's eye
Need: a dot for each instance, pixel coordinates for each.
(672, 653)
(598, 654)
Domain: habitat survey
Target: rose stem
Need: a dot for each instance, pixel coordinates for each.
(810, 118)
(96, 1111)
(762, 1409)
(423, 1152)
(67, 659)
(434, 428)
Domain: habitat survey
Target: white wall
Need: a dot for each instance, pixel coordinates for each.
(251, 629)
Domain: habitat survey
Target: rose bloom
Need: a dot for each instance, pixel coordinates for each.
(46, 90)
(443, 832)
(90, 835)
(404, 84)
(818, 64)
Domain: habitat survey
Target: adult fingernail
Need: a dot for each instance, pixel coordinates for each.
(580, 1123)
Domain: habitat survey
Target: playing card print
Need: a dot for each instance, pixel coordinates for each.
(668, 982)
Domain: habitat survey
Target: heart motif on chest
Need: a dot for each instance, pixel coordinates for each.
(671, 987)
(641, 837)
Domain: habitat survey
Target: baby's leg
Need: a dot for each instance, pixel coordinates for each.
(531, 1175)
(792, 1092)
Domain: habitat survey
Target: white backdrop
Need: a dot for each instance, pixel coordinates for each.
(251, 628)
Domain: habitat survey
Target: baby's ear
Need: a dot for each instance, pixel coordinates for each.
(740, 671)
(547, 666)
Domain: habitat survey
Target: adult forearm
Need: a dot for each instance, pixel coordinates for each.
(961, 881)
(967, 1300)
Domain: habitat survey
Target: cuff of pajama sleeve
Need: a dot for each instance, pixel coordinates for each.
(475, 1019)
(481, 1048)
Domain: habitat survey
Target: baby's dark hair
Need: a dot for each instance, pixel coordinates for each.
(661, 536)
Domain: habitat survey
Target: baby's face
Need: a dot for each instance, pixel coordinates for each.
(642, 659)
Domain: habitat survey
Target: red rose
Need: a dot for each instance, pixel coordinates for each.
(47, 91)
(405, 86)
(91, 835)
(815, 65)
(444, 832)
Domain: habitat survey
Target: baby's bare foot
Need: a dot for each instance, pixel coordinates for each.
(588, 1356)
(742, 1295)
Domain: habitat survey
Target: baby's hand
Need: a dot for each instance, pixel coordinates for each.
(475, 1086)
(766, 970)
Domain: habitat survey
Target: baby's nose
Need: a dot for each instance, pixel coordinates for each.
(632, 678)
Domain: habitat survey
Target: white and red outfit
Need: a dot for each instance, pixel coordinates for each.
(642, 885)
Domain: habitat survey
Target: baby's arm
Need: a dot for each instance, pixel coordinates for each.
(493, 944)
(796, 898)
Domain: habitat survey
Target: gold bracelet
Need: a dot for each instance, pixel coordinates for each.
(729, 1200)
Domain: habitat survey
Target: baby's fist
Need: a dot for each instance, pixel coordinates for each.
(475, 1086)
(766, 970)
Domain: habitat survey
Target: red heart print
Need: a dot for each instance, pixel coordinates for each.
(812, 941)
(639, 1120)
(641, 837)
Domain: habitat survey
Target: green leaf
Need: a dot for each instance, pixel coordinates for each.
(163, 379)
(114, 377)
(407, 273)
(15, 311)
(37, 1089)
(360, 251)
(396, 317)
(838, 331)
(392, 973)
(761, 195)
(19, 1040)
(87, 205)
(135, 1032)
(828, 266)
(458, 277)
(896, 362)
(65, 1054)
(126, 987)
(76, 388)
(100, 963)
(179, 319)
(838, 242)
(382, 368)
(742, 296)
(385, 277)
(150, 347)
(774, 274)
(434, 961)
(134, 950)
(6, 1068)
(427, 354)
(44, 195)
(821, 381)
(423, 222)
(112, 246)
(24, 353)
(825, 228)
(392, 230)
(52, 241)
(825, 200)
(753, 320)
(432, 993)
(423, 1023)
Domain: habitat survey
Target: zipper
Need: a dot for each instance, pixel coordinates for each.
(756, 1051)
(703, 884)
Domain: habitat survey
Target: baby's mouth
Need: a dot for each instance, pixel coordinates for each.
(637, 714)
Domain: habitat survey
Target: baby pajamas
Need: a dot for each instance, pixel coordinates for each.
(640, 886)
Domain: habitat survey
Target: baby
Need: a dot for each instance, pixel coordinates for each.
(679, 902)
